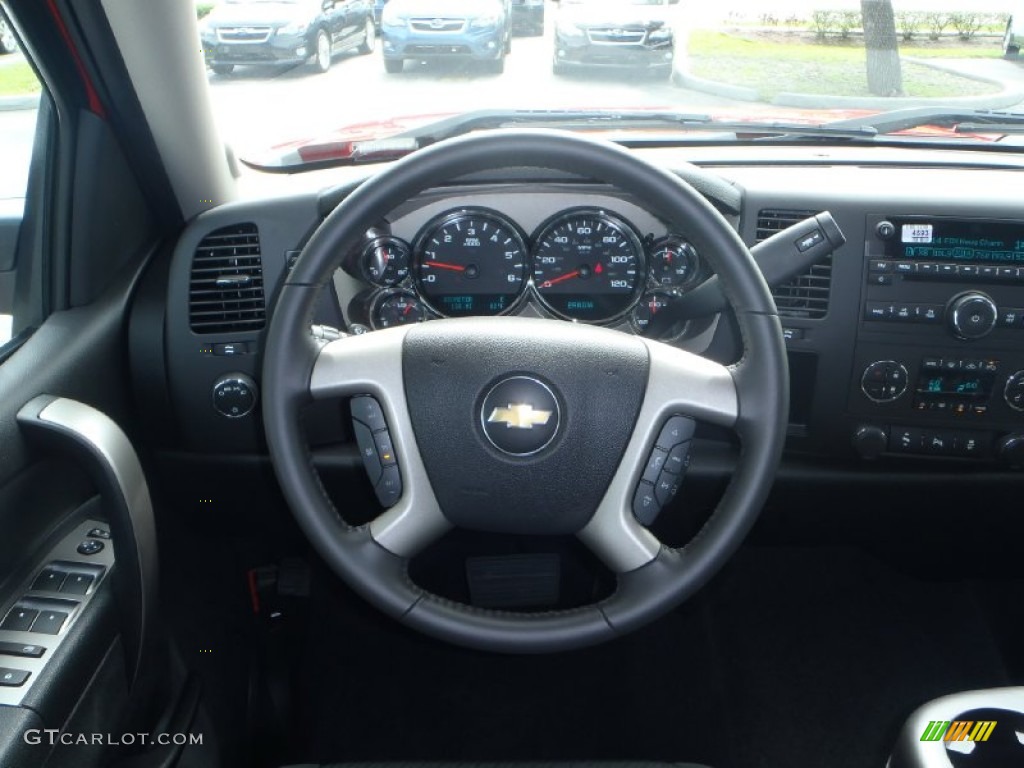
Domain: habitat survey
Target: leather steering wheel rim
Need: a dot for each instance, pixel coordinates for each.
(294, 362)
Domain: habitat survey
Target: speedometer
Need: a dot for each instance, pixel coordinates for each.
(588, 265)
(470, 262)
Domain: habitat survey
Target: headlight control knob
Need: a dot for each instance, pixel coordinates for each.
(235, 395)
(973, 315)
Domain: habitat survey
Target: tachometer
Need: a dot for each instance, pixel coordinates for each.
(588, 265)
(470, 262)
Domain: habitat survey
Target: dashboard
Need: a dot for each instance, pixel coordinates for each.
(906, 345)
(602, 260)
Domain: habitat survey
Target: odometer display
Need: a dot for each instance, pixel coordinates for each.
(470, 263)
(588, 265)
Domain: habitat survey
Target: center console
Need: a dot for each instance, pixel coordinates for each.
(939, 360)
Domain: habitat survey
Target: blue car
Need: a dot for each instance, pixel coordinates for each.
(474, 30)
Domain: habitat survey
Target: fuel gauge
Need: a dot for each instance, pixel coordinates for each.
(674, 262)
(398, 308)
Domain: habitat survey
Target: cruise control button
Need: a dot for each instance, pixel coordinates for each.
(655, 463)
(90, 547)
(367, 410)
(19, 619)
(667, 487)
(49, 622)
(677, 429)
(385, 451)
(13, 678)
(367, 450)
(389, 488)
(645, 504)
(49, 580)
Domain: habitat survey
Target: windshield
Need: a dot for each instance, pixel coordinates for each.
(293, 82)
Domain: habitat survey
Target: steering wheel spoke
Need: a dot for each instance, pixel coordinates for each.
(371, 364)
(679, 384)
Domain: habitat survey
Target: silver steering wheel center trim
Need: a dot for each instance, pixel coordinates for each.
(678, 383)
(371, 364)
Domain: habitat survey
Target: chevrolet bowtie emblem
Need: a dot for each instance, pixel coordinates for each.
(519, 416)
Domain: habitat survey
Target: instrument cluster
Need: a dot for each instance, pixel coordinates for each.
(585, 264)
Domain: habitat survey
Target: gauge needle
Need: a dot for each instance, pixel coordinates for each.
(563, 278)
(408, 309)
(443, 265)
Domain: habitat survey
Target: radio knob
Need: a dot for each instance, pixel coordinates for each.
(884, 381)
(870, 441)
(1014, 391)
(973, 315)
(885, 230)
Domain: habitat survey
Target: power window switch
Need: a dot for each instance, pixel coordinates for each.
(19, 619)
(13, 678)
(50, 580)
(21, 649)
(49, 622)
(77, 584)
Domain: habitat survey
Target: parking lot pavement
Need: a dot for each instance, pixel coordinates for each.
(257, 107)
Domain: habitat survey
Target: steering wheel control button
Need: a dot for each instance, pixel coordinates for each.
(389, 487)
(367, 410)
(22, 650)
(19, 619)
(49, 622)
(376, 449)
(677, 430)
(678, 460)
(367, 450)
(77, 584)
(667, 487)
(234, 395)
(13, 678)
(98, 533)
(385, 451)
(520, 416)
(645, 504)
(655, 463)
(90, 547)
(50, 580)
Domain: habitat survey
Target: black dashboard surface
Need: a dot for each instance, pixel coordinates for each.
(832, 339)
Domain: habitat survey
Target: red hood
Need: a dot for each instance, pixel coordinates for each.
(379, 136)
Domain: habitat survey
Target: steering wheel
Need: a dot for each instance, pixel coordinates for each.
(604, 396)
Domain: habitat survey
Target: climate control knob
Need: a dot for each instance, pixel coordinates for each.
(234, 395)
(1014, 391)
(972, 315)
(884, 381)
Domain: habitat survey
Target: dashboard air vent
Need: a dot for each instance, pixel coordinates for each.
(226, 285)
(807, 295)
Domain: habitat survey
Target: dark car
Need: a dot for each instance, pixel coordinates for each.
(285, 32)
(528, 17)
(634, 34)
(474, 30)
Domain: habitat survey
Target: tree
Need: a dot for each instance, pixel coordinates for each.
(885, 78)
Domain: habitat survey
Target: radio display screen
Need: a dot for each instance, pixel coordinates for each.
(953, 240)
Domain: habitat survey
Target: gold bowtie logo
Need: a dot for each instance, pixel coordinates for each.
(519, 416)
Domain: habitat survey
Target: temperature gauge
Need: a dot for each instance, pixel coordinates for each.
(674, 262)
(398, 308)
(385, 261)
(648, 316)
